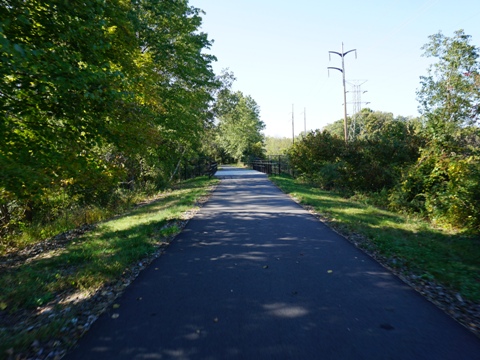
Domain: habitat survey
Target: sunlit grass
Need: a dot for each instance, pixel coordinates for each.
(72, 218)
(409, 243)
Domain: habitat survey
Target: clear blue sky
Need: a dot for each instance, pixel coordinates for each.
(278, 51)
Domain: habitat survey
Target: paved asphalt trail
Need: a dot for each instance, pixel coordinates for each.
(254, 276)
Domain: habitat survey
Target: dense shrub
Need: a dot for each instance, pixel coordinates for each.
(443, 187)
(369, 163)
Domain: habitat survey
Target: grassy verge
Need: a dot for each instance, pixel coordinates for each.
(81, 267)
(412, 245)
(68, 216)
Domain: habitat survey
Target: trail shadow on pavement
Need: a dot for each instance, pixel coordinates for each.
(254, 276)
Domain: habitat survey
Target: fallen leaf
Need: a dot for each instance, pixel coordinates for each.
(387, 326)
(330, 271)
(116, 306)
(215, 320)
(3, 305)
(265, 266)
(115, 316)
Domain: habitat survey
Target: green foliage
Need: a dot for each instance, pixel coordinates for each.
(317, 157)
(336, 128)
(370, 162)
(60, 84)
(96, 95)
(239, 128)
(444, 185)
(449, 95)
(277, 146)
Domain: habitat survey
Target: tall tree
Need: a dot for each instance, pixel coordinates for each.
(450, 94)
(444, 183)
(240, 125)
(60, 81)
(93, 92)
(276, 145)
(176, 86)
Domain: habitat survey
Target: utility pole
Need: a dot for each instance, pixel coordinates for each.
(342, 70)
(293, 125)
(305, 121)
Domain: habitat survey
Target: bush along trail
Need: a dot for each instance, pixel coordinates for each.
(53, 291)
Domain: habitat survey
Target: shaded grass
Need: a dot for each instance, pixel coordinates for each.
(93, 260)
(449, 257)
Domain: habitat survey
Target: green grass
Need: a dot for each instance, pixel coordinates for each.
(48, 225)
(95, 259)
(452, 259)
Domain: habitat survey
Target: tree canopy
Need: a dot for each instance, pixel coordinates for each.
(239, 125)
(444, 184)
(97, 93)
(450, 93)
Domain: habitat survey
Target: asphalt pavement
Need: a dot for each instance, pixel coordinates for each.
(255, 276)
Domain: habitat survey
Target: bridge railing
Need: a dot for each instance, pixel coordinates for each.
(273, 165)
(191, 168)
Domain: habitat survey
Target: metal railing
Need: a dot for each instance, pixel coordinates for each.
(197, 167)
(273, 165)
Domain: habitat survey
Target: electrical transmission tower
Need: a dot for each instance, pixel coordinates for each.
(356, 91)
(342, 70)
